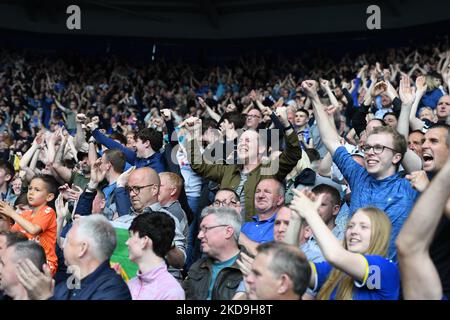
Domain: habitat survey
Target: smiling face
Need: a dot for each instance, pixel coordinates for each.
(435, 150)
(247, 148)
(141, 148)
(358, 233)
(381, 165)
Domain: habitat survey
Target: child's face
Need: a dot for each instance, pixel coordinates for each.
(37, 193)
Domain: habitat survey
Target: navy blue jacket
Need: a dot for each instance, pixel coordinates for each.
(156, 161)
(121, 199)
(84, 206)
(102, 284)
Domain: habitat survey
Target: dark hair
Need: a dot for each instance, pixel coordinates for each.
(21, 199)
(118, 136)
(159, 227)
(390, 114)
(304, 111)
(154, 136)
(312, 154)
(117, 159)
(13, 237)
(8, 167)
(288, 260)
(69, 163)
(51, 185)
(333, 192)
(81, 155)
(236, 118)
(30, 250)
(443, 126)
(208, 123)
(417, 131)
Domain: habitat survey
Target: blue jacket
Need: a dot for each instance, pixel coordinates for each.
(122, 204)
(119, 196)
(431, 98)
(156, 161)
(394, 195)
(102, 284)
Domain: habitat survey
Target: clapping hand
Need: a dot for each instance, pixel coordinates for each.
(305, 203)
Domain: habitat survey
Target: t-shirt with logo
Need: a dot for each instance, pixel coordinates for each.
(381, 281)
(45, 218)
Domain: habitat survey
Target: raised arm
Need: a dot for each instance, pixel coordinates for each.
(26, 158)
(328, 133)
(59, 105)
(215, 116)
(213, 172)
(353, 264)
(80, 135)
(325, 85)
(130, 155)
(421, 87)
(411, 161)
(420, 279)
(64, 172)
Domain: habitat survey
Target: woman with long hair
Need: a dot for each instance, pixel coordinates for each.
(357, 269)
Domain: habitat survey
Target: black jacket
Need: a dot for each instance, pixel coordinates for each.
(196, 285)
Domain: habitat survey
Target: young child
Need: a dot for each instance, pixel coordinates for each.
(39, 223)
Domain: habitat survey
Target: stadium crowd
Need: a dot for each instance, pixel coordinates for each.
(281, 178)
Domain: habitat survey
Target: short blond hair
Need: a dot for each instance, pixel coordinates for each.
(174, 179)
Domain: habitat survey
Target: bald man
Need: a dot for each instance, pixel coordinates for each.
(143, 187)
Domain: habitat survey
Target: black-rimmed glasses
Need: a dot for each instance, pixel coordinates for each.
(377, 149)
(206, 229)
(137, 189)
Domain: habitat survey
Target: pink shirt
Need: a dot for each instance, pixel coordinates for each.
(157, 284)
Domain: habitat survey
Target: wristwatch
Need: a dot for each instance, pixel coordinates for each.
(289, 127)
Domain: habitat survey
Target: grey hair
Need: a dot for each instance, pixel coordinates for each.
(227, 216)
(100, 234)
(280, 187)
(290, 260)
(31, 250)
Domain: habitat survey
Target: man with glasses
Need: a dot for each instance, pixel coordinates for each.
(143, 187)
(216, 276)
(227, 198)
(253, 118)
(378, 184)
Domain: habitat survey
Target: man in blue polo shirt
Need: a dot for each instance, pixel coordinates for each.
(269, 198)
(378, 185)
